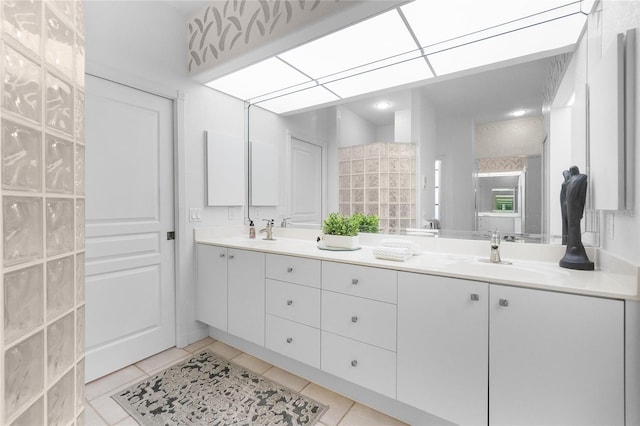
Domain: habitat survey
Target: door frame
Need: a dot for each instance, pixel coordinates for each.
(179, 188)
(323, 145)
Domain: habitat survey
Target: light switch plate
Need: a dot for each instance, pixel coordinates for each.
(195, 214)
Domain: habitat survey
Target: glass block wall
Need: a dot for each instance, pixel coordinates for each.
(42, 148)
(380, 179)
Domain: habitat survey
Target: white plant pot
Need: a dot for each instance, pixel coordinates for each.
(341, 241)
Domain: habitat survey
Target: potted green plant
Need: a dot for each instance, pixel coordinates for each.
(366, 223)
(340, 231)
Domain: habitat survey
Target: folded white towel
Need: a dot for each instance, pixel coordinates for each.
(413, 248)
(399, 254)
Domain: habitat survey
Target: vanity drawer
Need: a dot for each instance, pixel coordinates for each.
(365, 320)
(294, 340)
(372, 283)
(368, 366)
(298, 270)
(294, 302)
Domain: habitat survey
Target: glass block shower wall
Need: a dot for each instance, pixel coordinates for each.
(42, 148)
(379, 179)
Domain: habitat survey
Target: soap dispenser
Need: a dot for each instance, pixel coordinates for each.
(252, 229)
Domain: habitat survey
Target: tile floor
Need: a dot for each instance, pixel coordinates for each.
(101, 410)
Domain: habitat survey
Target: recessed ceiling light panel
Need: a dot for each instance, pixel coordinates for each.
(377, 38)
(264, 77)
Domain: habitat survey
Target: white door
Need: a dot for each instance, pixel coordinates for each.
(306, 182)
(130, 279)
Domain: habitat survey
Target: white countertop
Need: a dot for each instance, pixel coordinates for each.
(618, 280)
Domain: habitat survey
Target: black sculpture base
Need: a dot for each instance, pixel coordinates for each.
(576, 258)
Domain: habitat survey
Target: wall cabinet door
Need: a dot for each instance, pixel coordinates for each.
(555, 358)
(443, 346)
(246, 287)
(211, 286)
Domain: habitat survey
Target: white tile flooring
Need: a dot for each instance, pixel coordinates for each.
(101, 410)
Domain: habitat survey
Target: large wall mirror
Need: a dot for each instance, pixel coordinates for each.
(457, 155)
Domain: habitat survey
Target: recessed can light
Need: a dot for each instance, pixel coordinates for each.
(518, 113)
(383, 105)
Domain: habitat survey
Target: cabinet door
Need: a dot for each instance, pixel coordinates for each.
(246, 295)
(366, 365)
(364, 320)
(292, 269)
(294, 302)
(555, 358)
(362, 281)
(211, 286)
(443, 345)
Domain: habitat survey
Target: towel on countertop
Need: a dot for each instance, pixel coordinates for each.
(413, 248)
(399, 254)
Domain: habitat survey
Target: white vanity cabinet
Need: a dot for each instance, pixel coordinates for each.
(443, 346)
(293, 307)
(211, 285)
(555, 358)
(230, 291)
(246, 294)
(359, 325)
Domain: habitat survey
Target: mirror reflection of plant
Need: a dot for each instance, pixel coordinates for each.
(339, 224)
(366, 223)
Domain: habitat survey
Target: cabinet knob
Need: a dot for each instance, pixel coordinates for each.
(289, 339)
(475, 297)
(354, 281)
(289, 302)
(289, 269)
(354, 363)
(221, 254)
(354, 319)
(503, 302)
(231, 256)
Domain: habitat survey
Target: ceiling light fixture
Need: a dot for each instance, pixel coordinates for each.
(518, 113)
(383, 105)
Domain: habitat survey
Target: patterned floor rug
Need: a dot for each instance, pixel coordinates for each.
(210, 390)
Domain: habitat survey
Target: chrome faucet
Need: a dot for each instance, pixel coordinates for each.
(268, 230)
(283, 224)
(495, 247)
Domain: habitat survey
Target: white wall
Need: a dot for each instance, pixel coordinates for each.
(353, 129)
(144, 44)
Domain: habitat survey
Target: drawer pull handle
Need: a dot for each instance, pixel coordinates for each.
(503, 302)
(475, 297)
(354, 281)
(354, 363)
(289, 269)
(221, 254)
(289, 339)
(289, 302)
(354, 319)
(231, 256)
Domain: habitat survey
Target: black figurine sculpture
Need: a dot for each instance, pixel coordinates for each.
(575, 257)
(563, 205)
